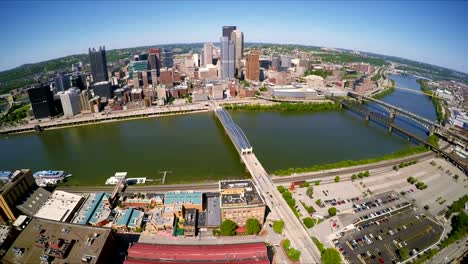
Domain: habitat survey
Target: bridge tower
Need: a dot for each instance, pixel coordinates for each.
(432, 130)
(390, 128)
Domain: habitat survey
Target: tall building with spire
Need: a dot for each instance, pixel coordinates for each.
(238, 38)
(98, 62)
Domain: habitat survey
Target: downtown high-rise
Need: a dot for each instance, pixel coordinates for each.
(238, 38)
(228, 67)
(98, 62)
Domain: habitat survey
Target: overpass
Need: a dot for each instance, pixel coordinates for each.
(388, 122)
(294, 230)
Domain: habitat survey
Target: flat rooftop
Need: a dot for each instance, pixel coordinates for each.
(213, 211)
(178, 197)
(59, 206)
(67, 243)
(235, 193)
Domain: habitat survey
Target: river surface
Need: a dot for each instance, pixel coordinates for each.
(195, 147)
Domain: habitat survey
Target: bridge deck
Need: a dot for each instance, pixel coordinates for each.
(236, 134)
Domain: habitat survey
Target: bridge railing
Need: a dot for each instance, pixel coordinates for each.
(236, 134)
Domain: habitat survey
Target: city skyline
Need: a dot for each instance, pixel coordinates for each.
(419, 35)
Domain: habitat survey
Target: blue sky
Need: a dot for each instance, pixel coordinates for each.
(433, 32)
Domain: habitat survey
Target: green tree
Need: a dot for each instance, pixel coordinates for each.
(278, 226)
(332, 211)
(337, 178)
(281, 189)
(318, 202)
(353, 177)
(366, 173)
(331, 256)
(228, 227)
(294, 254)
(317, 182)
(310, 192)
(403, 253)
(411, 180)
(253, 226)
(308, 222)
(304, 184)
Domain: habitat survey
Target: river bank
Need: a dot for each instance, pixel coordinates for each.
(438, 103)
(288, 107)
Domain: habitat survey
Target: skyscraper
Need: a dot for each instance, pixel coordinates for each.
(155, 59)
(238, 38)
(70, 102)
(227, 58)
(62, 82)
(227, 31)
(253, 66)
(207, 53)
(168, 58)
(98, 61)
(42, 101)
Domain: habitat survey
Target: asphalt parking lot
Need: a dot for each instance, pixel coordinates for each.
(379, 241)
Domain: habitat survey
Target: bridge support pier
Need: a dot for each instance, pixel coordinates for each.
(367, 117)
(390, 129)
(431, 130)
(392, 115)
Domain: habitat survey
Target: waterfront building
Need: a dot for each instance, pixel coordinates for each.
(155, 59)
(168, 58)
(128, 220)
(200, 94)
(85, 105)
(60, 206)
(240, 201)
(62, 82)
(211, 217)
(102, 89)
(95, 210)
(227, 58)
(238, 38)
(161, 93)
(70, 102)
(98, 62)
(293, 92)
(246, 92)
(182, 200)
(147, 200)
(33, 201)
(42, 101)
(207, 56)
(253, 66)
(13, 192)
(47, 241)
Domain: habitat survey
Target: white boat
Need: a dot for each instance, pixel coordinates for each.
(116, 178)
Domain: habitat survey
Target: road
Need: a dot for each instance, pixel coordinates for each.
(293, 228)
(450, 253)
(214, 186)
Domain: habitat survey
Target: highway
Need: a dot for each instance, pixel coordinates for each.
(293, 228)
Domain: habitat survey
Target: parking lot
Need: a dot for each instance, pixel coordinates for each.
(378, 240)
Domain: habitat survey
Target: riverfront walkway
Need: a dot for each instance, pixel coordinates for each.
(106, 117)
